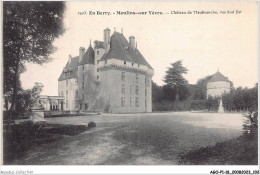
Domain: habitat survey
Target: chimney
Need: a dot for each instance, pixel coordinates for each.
(81, 53)
(69, 58)
(132, 41)
(107, 35)
(107, 39)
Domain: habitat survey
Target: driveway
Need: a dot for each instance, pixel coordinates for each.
(135, 139)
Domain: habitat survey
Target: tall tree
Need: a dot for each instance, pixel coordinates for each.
(29, 29)
(174, 77)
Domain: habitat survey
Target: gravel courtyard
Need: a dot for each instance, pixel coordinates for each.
(135, 139)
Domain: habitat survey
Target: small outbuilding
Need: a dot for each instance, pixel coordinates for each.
(217, 85)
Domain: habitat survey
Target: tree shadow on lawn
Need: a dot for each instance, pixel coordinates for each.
(165, 141)
(26, 136)
(238, 151)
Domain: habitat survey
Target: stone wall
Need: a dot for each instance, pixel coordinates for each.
(68, 88)
(121, 93)
(217, 88)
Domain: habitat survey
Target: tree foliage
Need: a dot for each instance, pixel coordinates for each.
(212, 103)
(175, 80)
(29, 29)
(200, 90)
(241, 99)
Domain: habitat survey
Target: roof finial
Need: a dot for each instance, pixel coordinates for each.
(114, 29)
(136, 45)
(90, 42)
(122, 30)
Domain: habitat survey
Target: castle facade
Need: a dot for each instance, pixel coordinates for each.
(112, 77)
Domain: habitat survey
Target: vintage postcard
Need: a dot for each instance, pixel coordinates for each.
(129, 83)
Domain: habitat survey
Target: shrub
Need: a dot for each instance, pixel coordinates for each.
(91, 124)
(250, 126)
(198, 105)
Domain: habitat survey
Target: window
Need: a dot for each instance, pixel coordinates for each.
(67, 82)
(97, 70)
(86, 106)
(123, 76)
(83, 85)
(132, 64)
(98, 52)
(80, 106)
(122, 101)
(130, 89)
(145, 92)
(131, 102)
(66, 94)
(137, 102)
(97, 61)
(105, 61)
(124, 62)
(83, 77)
(136, 90)
(83, 67)
(123, 88)
(97, 77)
(138, 65)
(145, 103)
(67, 104)
(76, 82)
(76, 93)
(82, 96)
(137, 78)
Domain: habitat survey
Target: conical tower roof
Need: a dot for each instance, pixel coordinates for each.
(88, 57)
(218, 77)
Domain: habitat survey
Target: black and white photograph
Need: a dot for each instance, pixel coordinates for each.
(129, 83)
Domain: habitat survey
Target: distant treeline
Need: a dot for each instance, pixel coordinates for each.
(194, 97)
(241, 99)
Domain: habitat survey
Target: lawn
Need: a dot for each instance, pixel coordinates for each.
(135, 139)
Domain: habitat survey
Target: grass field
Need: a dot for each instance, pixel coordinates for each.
(135, 139)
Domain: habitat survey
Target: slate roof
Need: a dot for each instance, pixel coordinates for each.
(88, 57)
(71, 69)
(218, 77)
(120, 49)
(99, 44)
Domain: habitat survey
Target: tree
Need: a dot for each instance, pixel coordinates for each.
(241, 99)
(174, 77)
(157, 93)
(29, 29)
(200, 91)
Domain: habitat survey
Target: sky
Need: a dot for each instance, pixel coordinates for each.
(204, 42)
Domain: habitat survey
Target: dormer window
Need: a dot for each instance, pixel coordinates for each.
(124, 62)
(132, 64)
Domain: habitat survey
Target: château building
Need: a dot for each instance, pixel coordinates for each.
(217, 85)
(113, 77)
